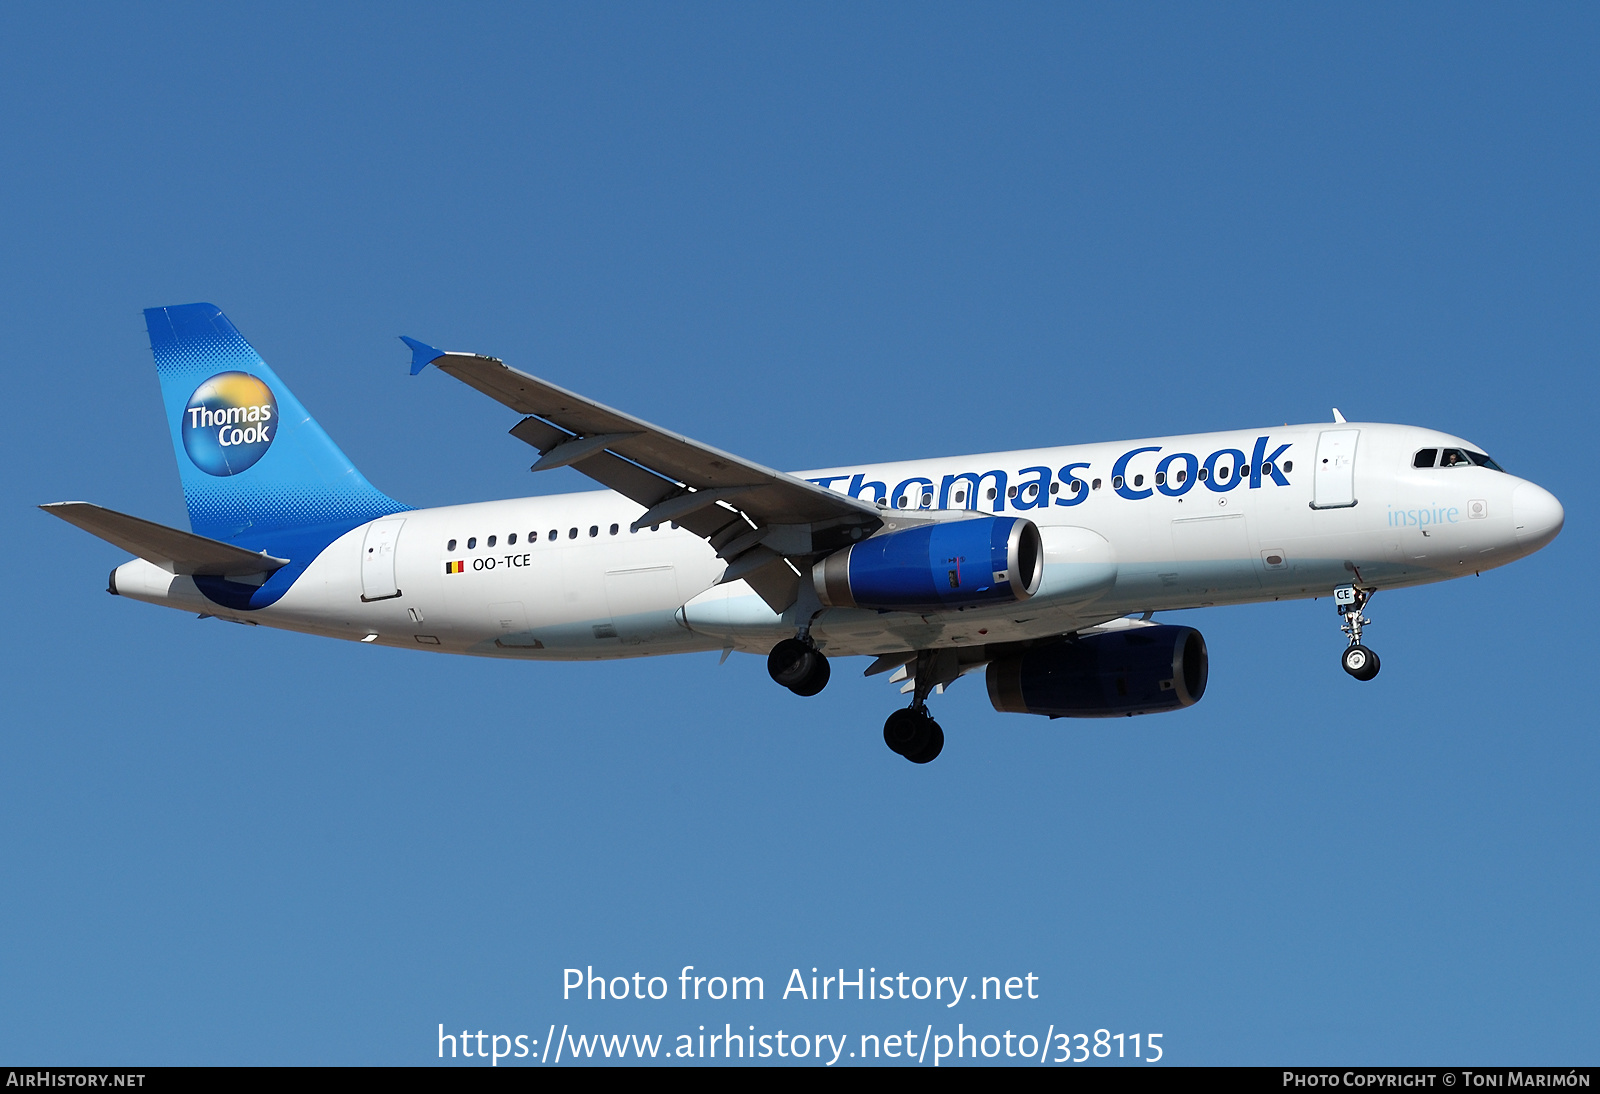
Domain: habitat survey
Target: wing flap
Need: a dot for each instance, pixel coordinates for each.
(175, 551)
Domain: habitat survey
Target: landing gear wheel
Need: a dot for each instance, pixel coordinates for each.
(931, 750)
(799, 667)
(911, 733)
(904, 732)
(1360, 662)
(817, 679)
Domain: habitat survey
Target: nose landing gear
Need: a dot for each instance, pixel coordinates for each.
(1357, 660)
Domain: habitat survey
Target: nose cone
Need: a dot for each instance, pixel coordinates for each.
(1537, 514)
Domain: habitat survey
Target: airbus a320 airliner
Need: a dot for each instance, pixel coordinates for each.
(1043, 567)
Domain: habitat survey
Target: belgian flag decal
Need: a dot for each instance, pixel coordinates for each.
(454, 567)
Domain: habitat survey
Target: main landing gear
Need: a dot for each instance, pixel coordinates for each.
(798, 665)
(1357, 659)
(912, 732)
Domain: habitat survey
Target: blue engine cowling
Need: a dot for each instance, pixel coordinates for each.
(1139, 670)
(936, 567)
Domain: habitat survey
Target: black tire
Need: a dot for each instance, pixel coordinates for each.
(816, 679)
(1360, 662)
(789, 663)
(906, 731)
(935, 745)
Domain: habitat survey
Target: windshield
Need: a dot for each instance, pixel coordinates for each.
(1460, 457)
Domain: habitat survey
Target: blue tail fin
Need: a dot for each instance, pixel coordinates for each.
(255, 466)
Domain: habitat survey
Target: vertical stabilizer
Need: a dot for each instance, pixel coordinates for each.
(254, 464)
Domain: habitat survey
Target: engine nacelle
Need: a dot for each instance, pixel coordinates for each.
(1135, 670)
(935, 567)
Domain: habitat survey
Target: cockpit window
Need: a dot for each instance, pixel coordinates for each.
(1453, 457)
(1462, 457)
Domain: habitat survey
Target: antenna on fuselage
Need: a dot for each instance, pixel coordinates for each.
(1337, 416)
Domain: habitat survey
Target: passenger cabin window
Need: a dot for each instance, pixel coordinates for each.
(594, 530)
(572, 533)
(511, 540)
(472, 542)
(491, 542)
(1425, 458)
(555, 534)
(533, 537)
(451, 546)
(613, 529)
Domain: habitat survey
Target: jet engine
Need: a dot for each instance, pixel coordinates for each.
(935, 567)
(1135, 670)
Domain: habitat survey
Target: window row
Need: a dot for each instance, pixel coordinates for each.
(1076, 486)
(553, 536)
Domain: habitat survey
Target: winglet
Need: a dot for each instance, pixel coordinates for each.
(422, 354)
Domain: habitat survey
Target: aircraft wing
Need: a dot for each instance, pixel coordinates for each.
(762, 521)
(175, 551)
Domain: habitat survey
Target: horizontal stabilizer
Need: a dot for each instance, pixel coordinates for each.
(174, 551)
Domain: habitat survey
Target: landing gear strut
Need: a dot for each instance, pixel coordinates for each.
(912, 732)
(1357, 659)
(798, 665)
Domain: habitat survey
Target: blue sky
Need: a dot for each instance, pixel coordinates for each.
(811, 235)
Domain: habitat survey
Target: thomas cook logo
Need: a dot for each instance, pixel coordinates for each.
(229, 423)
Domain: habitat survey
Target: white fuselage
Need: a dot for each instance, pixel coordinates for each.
(562, 577)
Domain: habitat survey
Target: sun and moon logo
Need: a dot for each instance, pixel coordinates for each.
(229, 423)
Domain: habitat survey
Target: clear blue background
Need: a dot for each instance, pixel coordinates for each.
(812, 235)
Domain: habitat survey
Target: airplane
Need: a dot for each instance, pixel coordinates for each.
(1041, 568)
